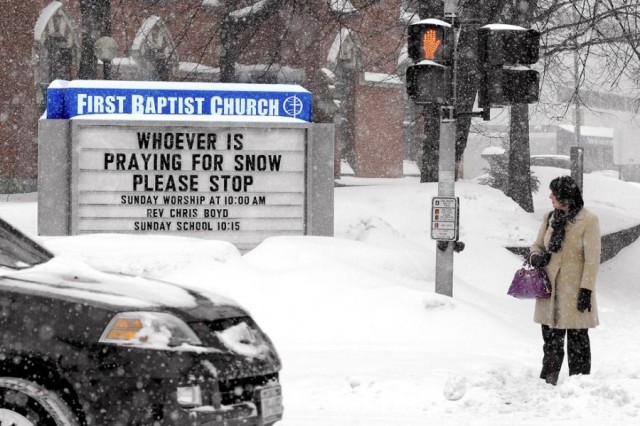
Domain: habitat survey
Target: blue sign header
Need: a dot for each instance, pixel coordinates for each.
(69, 99)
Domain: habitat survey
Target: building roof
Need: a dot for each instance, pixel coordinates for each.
(591, 131)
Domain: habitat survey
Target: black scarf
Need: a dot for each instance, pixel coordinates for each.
(560, 220)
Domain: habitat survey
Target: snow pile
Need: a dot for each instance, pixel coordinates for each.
(364, 338)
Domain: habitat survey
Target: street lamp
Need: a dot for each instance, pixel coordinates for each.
(106, 49)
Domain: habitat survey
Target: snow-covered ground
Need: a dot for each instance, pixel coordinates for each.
(363, 337)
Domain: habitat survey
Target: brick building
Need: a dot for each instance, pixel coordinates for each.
(351, 58)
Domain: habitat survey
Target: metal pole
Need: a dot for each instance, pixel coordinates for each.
(106, 17)
(106, 69)
(577, 153)
(447, 163)
(576, 94)
(576, 156)
(446, 188)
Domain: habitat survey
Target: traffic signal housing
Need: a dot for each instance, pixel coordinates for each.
(430, 47)
(504, 53)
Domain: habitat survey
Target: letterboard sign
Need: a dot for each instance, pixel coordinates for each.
(239, 179)
(235, 184)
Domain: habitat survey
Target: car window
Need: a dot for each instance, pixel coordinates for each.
(17, 251)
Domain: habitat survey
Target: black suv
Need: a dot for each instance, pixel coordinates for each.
(84, 347)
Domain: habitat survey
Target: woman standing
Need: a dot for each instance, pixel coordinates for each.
(568, 247)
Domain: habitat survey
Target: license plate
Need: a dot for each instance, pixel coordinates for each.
(271, 404)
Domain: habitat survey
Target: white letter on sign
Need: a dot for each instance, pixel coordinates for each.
(137, 104)
(82, 102)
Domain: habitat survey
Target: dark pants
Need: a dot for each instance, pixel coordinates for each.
(578, 349)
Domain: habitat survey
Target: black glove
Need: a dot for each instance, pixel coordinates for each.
(584, 300)
(539, 260)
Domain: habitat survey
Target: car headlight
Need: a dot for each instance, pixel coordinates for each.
(148, 329)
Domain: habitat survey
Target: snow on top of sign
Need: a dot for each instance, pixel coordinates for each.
(173, 85)
(504, 27)
(428, 62)
(192, 118)
(432, 21)
(59, 84)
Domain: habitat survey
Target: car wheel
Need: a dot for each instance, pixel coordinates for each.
(24, 403)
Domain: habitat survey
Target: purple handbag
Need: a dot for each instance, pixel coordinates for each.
(530, 283)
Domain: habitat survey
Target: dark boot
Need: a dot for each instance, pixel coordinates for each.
(579, 351)
(553, 349)
(551, 378)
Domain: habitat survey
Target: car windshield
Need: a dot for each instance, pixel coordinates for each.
(17, 251)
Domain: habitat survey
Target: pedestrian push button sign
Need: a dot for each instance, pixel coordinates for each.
(444, 218)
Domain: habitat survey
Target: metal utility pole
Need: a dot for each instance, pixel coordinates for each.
(446, 189)
(576, 153)
(578, 111)
(447, 165)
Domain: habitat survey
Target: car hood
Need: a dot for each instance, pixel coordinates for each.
(76, 281)
(229, 335)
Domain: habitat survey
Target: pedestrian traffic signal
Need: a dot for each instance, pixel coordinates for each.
(430, 39)
(428, 83)
(430, 46)
(504, 51)
(508, 85)
(501, 44)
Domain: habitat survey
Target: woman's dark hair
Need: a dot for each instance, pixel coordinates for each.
(566, 190)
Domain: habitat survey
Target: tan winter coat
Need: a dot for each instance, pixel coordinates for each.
(573, 267)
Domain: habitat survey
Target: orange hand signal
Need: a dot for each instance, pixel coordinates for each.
(431, 43)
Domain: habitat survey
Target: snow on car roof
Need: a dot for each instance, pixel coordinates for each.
(70, 278)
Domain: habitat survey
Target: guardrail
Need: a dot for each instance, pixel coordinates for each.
(611, 243)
